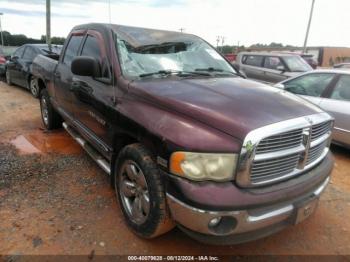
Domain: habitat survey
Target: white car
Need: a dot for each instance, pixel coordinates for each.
(330, 90)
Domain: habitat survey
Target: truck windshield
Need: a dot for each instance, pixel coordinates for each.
(296, 64)
(191, 56)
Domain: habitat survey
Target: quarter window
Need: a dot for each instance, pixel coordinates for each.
(72, 49)
(309, 85)
(253, 60)
(342, 89)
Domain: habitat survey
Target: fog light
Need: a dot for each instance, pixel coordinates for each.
(214, 222)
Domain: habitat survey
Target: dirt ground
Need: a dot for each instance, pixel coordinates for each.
(55, 200)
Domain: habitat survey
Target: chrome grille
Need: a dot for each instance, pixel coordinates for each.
(273, 168)
(279, 142)
(292, 147)
(320, 129)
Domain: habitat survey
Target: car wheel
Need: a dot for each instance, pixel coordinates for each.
(141, 193)
(34, 87)
(8, 78)
(51, 119)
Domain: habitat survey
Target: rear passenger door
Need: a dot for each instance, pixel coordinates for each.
(92, 98)
(25, 63)
(273, 69)
(338, 105)
(252, 66)
(63, 75)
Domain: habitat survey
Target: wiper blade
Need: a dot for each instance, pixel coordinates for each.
(212, 69)
(174, 72)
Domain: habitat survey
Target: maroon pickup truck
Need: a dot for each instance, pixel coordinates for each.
(184, 138)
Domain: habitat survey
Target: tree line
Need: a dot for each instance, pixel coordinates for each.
(228, 49)
(20, 39)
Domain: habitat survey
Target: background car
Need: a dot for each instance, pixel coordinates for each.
(3, 59)
(342, 65)
(330, 90)
(271, 67)
(18, 68)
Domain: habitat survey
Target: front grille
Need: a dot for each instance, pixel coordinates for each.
(280, 142)
(273, 168)
(287, 154)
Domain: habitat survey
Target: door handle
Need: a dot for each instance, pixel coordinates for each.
(74, 86)
(57, 74)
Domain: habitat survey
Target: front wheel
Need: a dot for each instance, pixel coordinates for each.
(141, 193)
(34, 87)
(51, 119)
(8, 78)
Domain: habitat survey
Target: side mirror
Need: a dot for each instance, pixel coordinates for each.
(14, 58)
(280, 86)
(281, 68)
(239, 71)
(86, 66)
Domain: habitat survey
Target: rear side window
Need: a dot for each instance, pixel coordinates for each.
(19, 52)
(29, 53)
(253, 60)
(272, 62)
(72, 49)
(342, 89)
(92, 48)
(309, 85)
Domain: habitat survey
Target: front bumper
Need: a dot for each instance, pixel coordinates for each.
(246, 223)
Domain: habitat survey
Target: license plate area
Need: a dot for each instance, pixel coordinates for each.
(304, 209)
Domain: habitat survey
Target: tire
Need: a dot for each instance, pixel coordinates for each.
(34, 87)
(8, 78)
(137, 180)
(51, 119)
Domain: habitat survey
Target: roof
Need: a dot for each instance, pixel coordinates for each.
(138, 36)
(269, 54)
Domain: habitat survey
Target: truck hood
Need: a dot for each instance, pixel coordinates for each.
(233, 105)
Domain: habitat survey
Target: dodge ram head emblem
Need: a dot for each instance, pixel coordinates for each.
(309, 120)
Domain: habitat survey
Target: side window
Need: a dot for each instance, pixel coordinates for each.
(91, 48)
(342, 89)
(253, 60)
(272, 62)
(29, 53)
(309, 85)
(19, 52)
(72, 49)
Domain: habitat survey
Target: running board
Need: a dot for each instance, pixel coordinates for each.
(99, 159)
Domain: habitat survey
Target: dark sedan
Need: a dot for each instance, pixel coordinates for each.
(19, 70)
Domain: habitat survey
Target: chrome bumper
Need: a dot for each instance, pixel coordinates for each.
(198, 220)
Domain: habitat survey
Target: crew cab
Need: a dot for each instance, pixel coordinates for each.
(184, 139)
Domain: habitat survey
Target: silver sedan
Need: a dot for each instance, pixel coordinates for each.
(330, 90)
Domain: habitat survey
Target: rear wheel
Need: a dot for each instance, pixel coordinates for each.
(34, 87)
(141, 193)
(8, 78)
(51, 119)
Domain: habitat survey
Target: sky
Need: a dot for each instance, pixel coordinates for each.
(240, 21)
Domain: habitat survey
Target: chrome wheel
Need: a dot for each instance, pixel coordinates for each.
(34, 87)
(8, 78)
(133, 191)
(44, 110)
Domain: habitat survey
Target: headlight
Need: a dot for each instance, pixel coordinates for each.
(203, 166)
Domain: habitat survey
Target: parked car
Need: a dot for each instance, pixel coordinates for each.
(3, 59)
(19, 69)
(271, 67)
(185, 140)
(309, 58)
(342, 65)
(330, 90)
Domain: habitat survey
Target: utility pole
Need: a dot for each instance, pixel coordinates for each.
(182, 29)
(109, 10)
(2, 38)
(217, 42)
(308, 26)
(48, 23)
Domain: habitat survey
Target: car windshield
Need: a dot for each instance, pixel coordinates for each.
(183, 56)
(296, 64)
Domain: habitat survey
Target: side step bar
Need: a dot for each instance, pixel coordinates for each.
(99, 159)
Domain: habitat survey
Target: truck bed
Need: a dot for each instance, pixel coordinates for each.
(43, 67)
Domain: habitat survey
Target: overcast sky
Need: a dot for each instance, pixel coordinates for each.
(244, 21)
